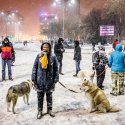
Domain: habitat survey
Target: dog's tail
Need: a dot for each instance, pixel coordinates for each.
(114, 109)
(9, 95)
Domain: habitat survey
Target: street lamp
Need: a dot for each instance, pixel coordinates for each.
(11, 21)
(63, 3)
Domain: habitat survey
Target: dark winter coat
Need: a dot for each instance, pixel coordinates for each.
(93, 43)
(45, 79)
(57, 50)
(77, 53)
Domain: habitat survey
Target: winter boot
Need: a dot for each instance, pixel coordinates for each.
(51, 113)
(39, 115)
(75, 75)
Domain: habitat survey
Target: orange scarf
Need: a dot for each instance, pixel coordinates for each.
(43, 61)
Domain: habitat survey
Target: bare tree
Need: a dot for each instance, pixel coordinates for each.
(72, 29)
(91, 25)
(114, 14)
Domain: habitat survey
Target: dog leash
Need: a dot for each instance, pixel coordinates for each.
(69, 89)
(102, 72)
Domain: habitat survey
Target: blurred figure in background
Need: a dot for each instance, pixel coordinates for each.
(115, 43)
(59, 50)
(99, 60)
(77, 56)
(93, 46)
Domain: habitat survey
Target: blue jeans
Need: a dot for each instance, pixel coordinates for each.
(60, 65)
(77, 66)
(8, 62)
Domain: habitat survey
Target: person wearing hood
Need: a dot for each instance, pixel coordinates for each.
(99, 60)
(115, 43)
(117, 64)
(6, 51)
(59, 50)
(77, 56)
(45, 75)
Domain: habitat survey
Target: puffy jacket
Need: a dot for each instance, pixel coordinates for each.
(45, 79)
(117, 60)
(7, 51)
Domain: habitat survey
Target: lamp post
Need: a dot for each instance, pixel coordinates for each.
(63, 21)
(64, 3)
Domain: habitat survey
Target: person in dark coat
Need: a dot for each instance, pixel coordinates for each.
(59, 50)
(6, 51)
(93, 46)
(77, 56)
(100, 60)
(45, 75)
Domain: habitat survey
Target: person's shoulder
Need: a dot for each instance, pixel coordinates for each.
(38, 55)
(10, 44)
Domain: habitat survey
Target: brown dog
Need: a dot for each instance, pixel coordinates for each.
(97, 98)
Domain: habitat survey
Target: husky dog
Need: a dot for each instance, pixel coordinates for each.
(15, 91)
(88, 74)
(97, 98)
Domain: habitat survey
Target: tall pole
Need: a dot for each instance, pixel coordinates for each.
(6, 29)
(63, 20)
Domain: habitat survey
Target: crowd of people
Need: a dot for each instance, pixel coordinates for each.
(48, 66)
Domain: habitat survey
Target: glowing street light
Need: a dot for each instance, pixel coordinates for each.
(2, 13)
(63, 4)
(73, 1)
(10, 19)
(56, 18)
(13, 14)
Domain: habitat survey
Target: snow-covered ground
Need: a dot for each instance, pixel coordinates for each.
(70, 108)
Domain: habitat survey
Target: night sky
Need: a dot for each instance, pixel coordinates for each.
(30, 10)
